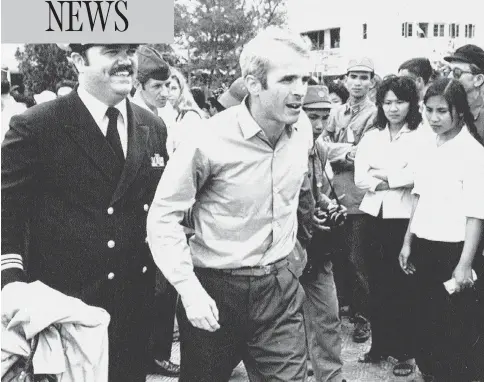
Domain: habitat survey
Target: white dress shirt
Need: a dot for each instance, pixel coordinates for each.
(450, 182)
(98, 111)
(395, 158)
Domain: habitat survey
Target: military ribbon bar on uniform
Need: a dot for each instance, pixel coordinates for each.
(157, 161)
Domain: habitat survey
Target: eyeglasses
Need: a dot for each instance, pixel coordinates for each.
(458, 72)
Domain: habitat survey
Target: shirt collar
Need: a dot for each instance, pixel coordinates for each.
(249, 126)
(455, 143)
(402, 131)
(98, 109)
(356, 108)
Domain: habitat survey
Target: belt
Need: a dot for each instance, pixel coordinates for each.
(257, 271)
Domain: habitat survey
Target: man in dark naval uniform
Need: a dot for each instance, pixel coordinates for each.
(78, 176)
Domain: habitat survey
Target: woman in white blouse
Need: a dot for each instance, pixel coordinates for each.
(188, 114)
(383, 167)
(446, 226)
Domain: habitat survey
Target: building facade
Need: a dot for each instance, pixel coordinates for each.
(387, 32)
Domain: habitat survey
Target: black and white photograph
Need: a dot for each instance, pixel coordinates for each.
(291, 190)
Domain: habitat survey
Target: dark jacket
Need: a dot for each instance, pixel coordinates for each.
(79, 227)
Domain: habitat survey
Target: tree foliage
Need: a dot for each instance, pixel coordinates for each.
(211, 31)
(43, 66)
(214, 31)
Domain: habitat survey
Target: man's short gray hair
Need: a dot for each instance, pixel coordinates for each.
(259, 52)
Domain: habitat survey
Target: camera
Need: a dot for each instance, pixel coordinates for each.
(334, 218)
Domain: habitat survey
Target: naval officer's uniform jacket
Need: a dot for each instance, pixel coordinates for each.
(74, 219)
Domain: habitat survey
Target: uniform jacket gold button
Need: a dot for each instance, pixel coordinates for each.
(145, 269)
(111, 276)
(146, 207)
(110, 210)
(111, 243)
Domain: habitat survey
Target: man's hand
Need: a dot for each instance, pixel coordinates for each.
(321, 223)
(202, 311)
(463, 277)
(406, 266)
(350, 155)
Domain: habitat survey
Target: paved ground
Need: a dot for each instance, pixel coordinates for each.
(353, 370)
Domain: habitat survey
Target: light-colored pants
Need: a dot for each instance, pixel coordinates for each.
(323, 326)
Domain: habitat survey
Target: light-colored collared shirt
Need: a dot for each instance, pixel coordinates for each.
(347, 125)
(450, 185)
(395, 157)
(243, 193)
(98, 112)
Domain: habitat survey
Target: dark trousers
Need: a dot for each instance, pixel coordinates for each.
(164, 318)
(392, 325)
(447, 331)
(351, 273)
(261, 323)
(479, 268)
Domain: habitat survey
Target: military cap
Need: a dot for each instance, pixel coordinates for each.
(471, 54)
(363, 64)
(317, 97)
(152, 65)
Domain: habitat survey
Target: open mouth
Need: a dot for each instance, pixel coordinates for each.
(294, 106)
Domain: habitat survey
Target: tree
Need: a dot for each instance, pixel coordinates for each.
(43, 66)
(214, 31)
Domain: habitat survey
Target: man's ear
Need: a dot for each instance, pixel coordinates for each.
(253, 84)
(479, 80)
(79, 61)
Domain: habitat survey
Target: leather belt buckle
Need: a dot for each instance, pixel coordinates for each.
(267, 269)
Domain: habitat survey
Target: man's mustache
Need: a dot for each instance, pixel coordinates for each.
(121, 68)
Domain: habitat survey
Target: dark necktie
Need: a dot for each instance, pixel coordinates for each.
(112, 135)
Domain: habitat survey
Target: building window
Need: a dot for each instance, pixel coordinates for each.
(423, 30)
(365, 31)
(407, 29)
(470, 30)
(439, 30)
(335, 37)
(317, 38)
(453, 30)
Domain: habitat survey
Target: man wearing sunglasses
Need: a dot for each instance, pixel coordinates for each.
(467, 66)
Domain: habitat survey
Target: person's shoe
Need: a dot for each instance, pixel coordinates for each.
(166, 368)
(372, 357)
(362, 330)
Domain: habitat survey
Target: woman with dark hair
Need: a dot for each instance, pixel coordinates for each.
(442, 241)
(383, 167)
(338, 93)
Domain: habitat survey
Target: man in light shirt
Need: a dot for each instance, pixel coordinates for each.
(241, 175)
(78, 176)
(347, 125)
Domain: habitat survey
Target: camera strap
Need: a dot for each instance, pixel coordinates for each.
(333, 192)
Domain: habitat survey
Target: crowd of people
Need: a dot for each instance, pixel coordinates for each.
(259, 216)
